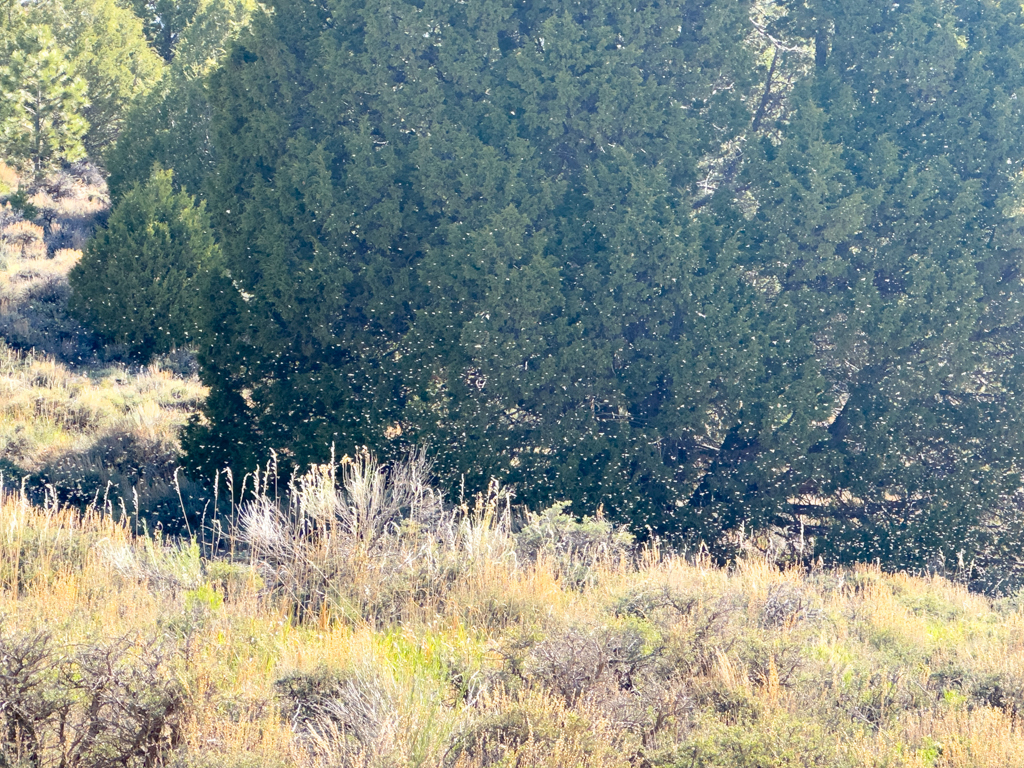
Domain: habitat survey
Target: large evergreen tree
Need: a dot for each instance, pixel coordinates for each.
(710, 263)
(888, 220)
(472, 226)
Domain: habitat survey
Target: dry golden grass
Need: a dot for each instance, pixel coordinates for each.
(48, 411)
(444, 642)
(94, 432)
(8, 179)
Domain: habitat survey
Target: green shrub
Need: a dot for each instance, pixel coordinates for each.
(759, 745)
(574, 546)
(142, 279)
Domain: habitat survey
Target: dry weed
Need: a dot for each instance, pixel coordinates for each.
(398, 656)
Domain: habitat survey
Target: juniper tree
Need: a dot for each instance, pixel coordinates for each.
(888, 218)
(711, 265)
(472, 226)
(142, 280)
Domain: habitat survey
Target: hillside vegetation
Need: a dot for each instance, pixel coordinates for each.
(687, 333)
(366, 623)
(78, 417)
(720, 265)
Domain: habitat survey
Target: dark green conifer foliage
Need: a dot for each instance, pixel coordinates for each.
(471, 225)
(164, 21)
(888, 218)
(604, 252)
(143, 279)
(170, 125)
(12, 22)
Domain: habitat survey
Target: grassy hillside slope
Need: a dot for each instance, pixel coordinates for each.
(75, 415)
(353, 617)
(366, 623)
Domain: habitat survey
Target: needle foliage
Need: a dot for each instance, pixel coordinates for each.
(719, 266)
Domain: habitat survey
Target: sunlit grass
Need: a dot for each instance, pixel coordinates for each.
(443, 645)
(49, 412)
(70, 419)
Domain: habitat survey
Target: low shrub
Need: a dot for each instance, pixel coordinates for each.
(116, 704)
(143, 277)
(573, 546)
(24, 239)
(778, 743)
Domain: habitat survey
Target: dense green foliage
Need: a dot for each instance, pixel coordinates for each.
(142, 278)
(889, 221)
(110, 52)
(43, 98)
(472, 225)
(69, 69)
(171, 124)
(164, 21)
(712, 264)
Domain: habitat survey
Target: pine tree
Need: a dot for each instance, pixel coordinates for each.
(12, 21)
(143, 278)
(105, 44)
(44, 100)
(164, 22)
